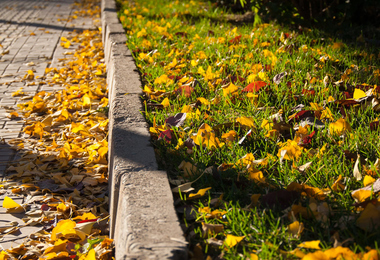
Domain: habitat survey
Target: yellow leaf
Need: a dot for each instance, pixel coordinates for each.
(30, 75)
(206, 137)
(246, 160)
(59, 246)
(203, 101)
(91, 255)
(47, 120)
(209, 74)
(370, 255)
(266, 125)
(339, 127)
(86, 100)
(330, 99)
(85, 216)
(56, 256)
(163, 79)
(13, 115)
(310, 244)
(293, 150)
(66, 229)
(319, 255)
(186, 109)
(358, 94)
(62, 207)
(194, 63)
(295, 228)
(102, 152)
(361, 195)
(230, 136)
(62, 225)
(66, 114)
(67, 45)
(246, 121)
(165, 102)
(199, 194)
(253, 257)
(18, 93)
(232, 240)
(368, 180)
(296, 252)
(4, 255)
(141, 33)
(338, 185)
(231, 89)
(9, 203)
(256, 175)
(342, 252)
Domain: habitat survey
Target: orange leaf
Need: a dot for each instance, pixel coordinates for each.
(343, 252)
(319, 255)
(255, 86)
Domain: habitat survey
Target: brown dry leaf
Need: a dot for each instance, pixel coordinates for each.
(211, 229)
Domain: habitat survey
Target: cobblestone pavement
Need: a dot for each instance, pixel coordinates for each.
(30, 32)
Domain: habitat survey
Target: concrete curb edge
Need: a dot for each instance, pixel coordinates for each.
(143, 220)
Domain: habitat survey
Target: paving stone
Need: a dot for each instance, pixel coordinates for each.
(41, 48)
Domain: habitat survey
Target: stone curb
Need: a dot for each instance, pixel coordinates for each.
(143, 220)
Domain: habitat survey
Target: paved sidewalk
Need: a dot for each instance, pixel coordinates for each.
(30, 32)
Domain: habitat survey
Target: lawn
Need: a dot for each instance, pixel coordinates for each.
(269, 135)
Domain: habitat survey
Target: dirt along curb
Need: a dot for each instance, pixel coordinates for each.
(143, 220)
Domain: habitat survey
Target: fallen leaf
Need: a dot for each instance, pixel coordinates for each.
(254, 86)
(211, 229)
(295, 228)
(199, 194)
(9, 203)
(340, 127)
(232, 240)
(177, 120)
(369, 218)
(310, 244)
(277, 79)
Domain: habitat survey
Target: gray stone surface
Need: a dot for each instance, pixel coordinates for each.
(143, 220)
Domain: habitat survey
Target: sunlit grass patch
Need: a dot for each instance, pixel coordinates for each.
(274, 127)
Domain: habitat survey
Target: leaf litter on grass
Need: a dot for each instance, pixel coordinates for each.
(269, 135)
(62, 170)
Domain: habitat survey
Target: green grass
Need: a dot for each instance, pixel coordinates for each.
(179, 43)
